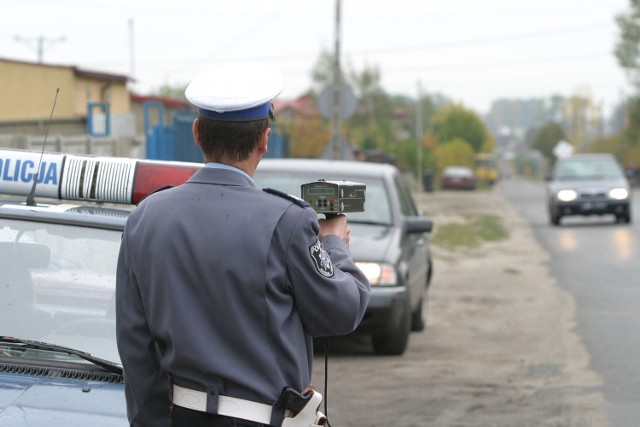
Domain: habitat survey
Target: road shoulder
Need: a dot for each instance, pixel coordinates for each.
(502, 330)
(499, 349)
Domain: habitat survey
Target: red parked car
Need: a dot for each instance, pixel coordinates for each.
(458, 177)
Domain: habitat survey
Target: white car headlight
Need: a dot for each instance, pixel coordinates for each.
(618, 193)
(379, 274)
(566, 195)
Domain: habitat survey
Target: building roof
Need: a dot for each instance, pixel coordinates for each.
(302, 105)
(97, 75)
(167, 102)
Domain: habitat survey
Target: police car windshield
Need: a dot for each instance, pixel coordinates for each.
(58, 285)
(377, 207)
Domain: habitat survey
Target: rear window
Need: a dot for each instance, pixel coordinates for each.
(377, 206)
(458, 172)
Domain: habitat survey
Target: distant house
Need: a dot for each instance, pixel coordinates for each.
(155, 107)
(289, 110)
(300, 121)
(28, 89)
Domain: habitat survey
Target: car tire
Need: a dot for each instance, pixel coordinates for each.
(395, 342)
(419, 317)
(624, 218)
(554, 217)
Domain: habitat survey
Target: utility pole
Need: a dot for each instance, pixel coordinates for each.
(336, 140)
(39, 43)
(132, 60)
(419, 132)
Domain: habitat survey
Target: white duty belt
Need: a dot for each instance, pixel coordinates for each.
(227, 406)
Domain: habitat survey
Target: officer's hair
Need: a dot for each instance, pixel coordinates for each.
(228, 140)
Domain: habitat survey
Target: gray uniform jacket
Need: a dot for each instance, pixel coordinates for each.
(222, 286)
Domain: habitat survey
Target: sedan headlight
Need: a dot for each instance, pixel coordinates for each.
(566, 195)
(379, 274)
(618, 193)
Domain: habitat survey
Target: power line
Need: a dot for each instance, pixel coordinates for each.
(259, 26)
(39, 43)
(485, 40)
(388, 50)
(474, 66)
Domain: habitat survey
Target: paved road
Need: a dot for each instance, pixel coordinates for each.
(598, 261)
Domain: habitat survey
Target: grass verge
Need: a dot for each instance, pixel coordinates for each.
(476, 229)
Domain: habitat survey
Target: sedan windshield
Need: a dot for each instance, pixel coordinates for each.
(58, 285)
(377, 209)
(587, 169)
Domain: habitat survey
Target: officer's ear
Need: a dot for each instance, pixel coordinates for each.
(264, 139)
(196, 136)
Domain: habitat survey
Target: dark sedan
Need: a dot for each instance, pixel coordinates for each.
(588, 184)
(389, 242)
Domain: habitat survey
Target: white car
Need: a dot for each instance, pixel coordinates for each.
(586, 185)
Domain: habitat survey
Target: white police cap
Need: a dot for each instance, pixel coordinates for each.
(238, 91)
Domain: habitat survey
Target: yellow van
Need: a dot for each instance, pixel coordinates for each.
(486, 168)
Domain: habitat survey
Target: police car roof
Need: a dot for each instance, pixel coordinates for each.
(96, 192)
(85, 215)
(87, 178)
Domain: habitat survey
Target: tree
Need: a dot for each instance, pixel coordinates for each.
(582, 120)
(322, 71)
(457, 152)
(308, 134)
(381, 121)
(168, 91)
(618, 118)
(453, 122)
(627, 50)
(630, 152)
(546, 138)
(519, 116)
(632, 127)
(371, 123)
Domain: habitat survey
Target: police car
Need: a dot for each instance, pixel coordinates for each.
(61, 219)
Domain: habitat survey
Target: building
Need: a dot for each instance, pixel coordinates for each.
(94, 111)
(157, 110)
(304, 128)
(28, 90)
(96, 114)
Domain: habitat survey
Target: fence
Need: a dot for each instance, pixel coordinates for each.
(80, 144)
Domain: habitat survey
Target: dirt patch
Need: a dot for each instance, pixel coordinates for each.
(499, 349)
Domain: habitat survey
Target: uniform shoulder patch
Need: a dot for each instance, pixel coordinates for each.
(321, 259)
(297, 200)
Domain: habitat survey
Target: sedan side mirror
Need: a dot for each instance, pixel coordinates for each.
(418, 224)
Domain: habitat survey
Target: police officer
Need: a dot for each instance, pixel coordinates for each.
(221, 286)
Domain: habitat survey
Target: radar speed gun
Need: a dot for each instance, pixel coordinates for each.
(334, 197)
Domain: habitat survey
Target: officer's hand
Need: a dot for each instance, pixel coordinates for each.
(336, 226)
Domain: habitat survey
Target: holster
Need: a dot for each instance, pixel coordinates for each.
(303, 409)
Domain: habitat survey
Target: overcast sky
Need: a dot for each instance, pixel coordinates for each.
(473, 51)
